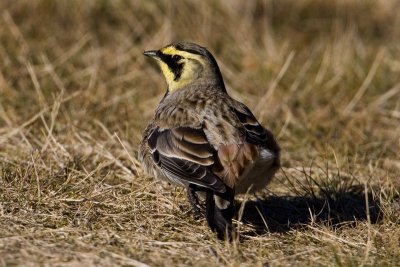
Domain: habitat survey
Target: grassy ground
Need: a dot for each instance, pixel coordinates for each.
(76, 92)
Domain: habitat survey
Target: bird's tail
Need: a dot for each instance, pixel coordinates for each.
(219, 212)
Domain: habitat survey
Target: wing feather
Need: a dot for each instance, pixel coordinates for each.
(255, 133)
(184, 154)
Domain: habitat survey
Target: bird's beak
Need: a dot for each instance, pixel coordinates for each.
(152, 53)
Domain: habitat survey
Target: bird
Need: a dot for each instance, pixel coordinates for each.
(202, 139)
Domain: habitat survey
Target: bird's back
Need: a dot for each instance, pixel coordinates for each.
(245, 155)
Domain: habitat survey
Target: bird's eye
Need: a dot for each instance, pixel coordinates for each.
(176, 57)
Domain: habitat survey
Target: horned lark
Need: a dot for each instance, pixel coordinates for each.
(204, 140)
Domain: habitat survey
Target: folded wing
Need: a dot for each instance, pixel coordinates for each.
(255, 133)
(184, 154)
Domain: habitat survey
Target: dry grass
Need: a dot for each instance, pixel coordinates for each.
(75, 94)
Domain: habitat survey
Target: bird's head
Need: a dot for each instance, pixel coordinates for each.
(186, 63)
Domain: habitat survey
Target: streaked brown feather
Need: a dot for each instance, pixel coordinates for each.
(182, 161)
(190, 135)
(234, 159)
(169, 145)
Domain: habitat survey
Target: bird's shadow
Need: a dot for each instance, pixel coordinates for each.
(283, 213)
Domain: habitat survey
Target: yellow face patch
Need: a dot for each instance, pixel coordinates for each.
(192, 65)
(169, 50)
(168, 74)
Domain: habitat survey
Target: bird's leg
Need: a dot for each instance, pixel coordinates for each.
(219, 212)
(194, 200)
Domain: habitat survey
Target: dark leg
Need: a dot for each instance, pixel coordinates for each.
(194, 200)
(220, 218)
(210, 210)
